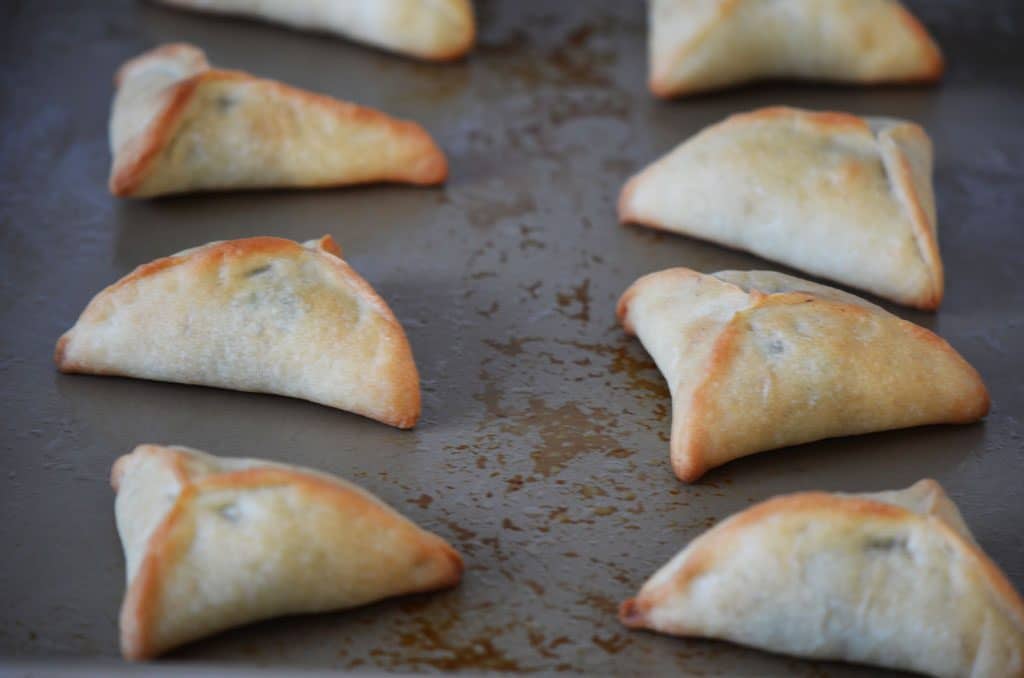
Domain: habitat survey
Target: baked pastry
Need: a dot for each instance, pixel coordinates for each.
(892, 579)
(759, 360)
(435, 30)
(838, 196)
(260, 314)
(211, 543)
(700, 45)
(179, 126)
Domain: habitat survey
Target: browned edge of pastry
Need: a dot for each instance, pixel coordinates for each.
(689, 464)
(634, 611)
(129, 174)
(404, 374)
(171, 537)
(932, 71)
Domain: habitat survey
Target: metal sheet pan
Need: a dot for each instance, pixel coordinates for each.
(542, 452)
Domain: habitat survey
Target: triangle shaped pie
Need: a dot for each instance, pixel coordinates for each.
(840, 197)
(435, 30)
(700, 45)
(266, 315)
(759, 360)
(211, 543)
(179, 126)
(891, 579)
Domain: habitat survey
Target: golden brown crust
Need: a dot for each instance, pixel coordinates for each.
(458, 50)
(622, 307)
(174, 50)
(829, 122)
(696, 424)
(453, 52)
(688, 456)
(130, 172)
(169, 541)
(662, 86)
(904, 153)
(924, 234)
(141, 601)
(633, 612)
(402, 370)
(936, 62)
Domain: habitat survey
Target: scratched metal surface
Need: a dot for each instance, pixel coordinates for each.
(542, 452)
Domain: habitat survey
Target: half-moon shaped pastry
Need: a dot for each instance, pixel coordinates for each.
(759, 360)
(179, 126)
(700, 45)
(435, 30)
(211, 543)
(838, 196)
(892, 579)
(260, 314)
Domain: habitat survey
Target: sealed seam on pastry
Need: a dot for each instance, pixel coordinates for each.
(178, 126)
(211, 543)
(842, 197)
(892, 579)
(760, 360)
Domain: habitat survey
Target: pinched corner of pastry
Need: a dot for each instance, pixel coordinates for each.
(839, 196)
(758, 360)
(860, 578)
(461, 31)
(178, 126)
(697, 47)
(211, 543)
(262, 314)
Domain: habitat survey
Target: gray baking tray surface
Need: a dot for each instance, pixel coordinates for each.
(542, 453)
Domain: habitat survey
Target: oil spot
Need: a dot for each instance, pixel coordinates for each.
(623, 359)
(578, 297)
(427, 645)
(601, 603)
(515, 346)
(490, 205)
(566, 432)
(489, 311)
(423, 501)
(613, 644)
(544, 647)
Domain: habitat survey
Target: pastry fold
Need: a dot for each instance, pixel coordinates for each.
(178, 126)
(211, 543)
(263, 314)
(841, 197)
(434, 30)
(700, 45)
(892, 579)
(759, 360)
